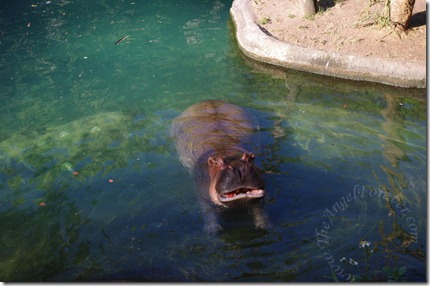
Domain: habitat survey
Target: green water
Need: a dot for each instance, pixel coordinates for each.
(91, 188)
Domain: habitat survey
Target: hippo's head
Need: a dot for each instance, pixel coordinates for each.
(235, 179)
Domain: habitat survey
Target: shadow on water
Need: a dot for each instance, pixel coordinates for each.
(55, 192)
(387, 192)
(50, 227)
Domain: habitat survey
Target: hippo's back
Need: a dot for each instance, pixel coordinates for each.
(211, 126)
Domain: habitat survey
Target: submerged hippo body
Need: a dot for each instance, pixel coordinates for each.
(212, 140)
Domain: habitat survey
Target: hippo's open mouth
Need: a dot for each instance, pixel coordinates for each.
(241, 193)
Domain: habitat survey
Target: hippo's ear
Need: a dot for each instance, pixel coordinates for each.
(215, 161)
(248, 157)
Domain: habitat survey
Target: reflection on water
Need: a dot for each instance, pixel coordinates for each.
(91, 188)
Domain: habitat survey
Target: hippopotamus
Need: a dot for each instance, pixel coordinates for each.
(213, 139)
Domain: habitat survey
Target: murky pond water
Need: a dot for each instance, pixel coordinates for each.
(91, 188)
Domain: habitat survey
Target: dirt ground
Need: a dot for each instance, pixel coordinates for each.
(345, 26)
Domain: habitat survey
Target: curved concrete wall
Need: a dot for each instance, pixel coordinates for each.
(257, 44)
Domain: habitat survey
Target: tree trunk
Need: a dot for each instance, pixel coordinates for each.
(401, 12)
(308, 7)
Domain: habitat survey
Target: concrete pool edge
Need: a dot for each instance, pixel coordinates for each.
(258, 44)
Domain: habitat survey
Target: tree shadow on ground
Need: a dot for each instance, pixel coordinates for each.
(325, 4)
(418, 19)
